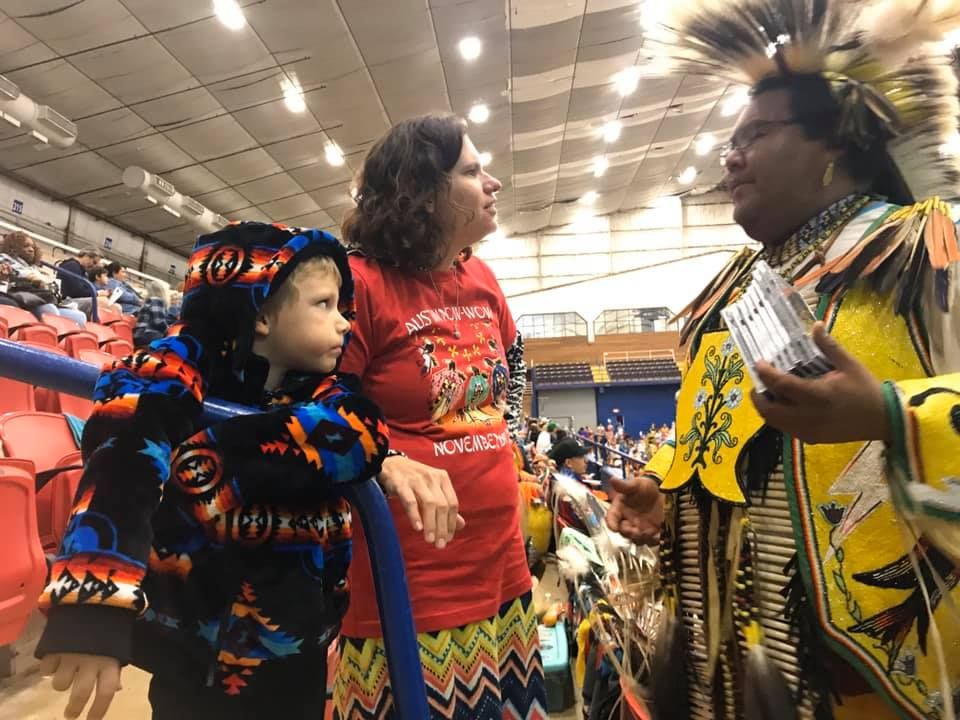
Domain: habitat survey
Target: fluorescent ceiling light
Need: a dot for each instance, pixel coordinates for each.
(627, 80)
(230, 14)
(40, 136)
(11, 119)
(611, 131)
(485, 158)
(150, 200)
(470, 48)
(293, 96)
(600, 165)
(951, 146)
(479, 113)
(589, 198)
(705, 144)
(170, 210)
(688, 175)
(735, 102)
(334, 154)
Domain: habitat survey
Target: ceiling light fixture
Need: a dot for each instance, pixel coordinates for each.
(470, 48)
(951, 146)
(735, 102)
(611, 131)
(293, 96)
(159, 192)
(705, 144)
(479, 113)
(43, 122)
(688, 175)
(589, 197)
(485, 158)
(600, 165)
(627, 80)
(334, 154)
(230, 14)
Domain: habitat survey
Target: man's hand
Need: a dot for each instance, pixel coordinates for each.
(636, 510)
(84, 673)
(844, 405)
(427, 496)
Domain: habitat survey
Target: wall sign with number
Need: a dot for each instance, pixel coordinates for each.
(18, 207)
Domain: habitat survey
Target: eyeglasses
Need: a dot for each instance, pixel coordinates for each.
(748, 134)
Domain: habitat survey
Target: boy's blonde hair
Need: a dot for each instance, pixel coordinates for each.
(288, 291)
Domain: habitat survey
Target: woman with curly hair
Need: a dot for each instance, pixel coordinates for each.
(32, 284)
(437, 350)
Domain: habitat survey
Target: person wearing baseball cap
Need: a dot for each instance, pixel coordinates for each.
(570, 457)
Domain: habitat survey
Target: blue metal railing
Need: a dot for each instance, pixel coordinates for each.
(94, 314)
(73, 377)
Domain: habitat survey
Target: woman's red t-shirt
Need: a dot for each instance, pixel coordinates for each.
(444, 399)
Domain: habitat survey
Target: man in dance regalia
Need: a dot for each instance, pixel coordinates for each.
(797, 587)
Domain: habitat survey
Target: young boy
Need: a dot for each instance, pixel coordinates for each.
(217, 559)
(571, 458)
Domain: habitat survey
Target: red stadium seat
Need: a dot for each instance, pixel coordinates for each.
(45, 439)
(23, 567)
(22, 325)
(96, 357)
(109, 342)
(109, 315)
(71, 336)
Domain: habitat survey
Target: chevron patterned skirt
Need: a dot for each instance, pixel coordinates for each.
(487, 670)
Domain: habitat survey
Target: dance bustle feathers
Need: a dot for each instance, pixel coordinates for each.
(862, 48)
(669, 698)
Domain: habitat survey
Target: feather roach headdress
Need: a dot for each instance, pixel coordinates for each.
(889, 70)
(885, 62)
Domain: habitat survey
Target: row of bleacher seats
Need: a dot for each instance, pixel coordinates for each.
(32, 522)
(36, 437)
(114, 335)
(655, 369)
(563, 373)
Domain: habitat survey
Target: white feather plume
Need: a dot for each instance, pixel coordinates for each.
(573, 563)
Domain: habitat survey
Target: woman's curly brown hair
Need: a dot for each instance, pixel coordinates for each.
(405, 172)
(14, 243)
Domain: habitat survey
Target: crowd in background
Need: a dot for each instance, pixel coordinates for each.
(26, 281)
(543, 435)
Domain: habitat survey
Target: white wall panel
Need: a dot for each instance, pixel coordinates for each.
(519, 285)
(113, 242)
(516, 246)
(514, 267)
(37, 212)
(579, 404)
(164, 264)
(574, 243)
(583, 264)
(48, 218)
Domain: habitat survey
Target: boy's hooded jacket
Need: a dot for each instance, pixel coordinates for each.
(220, 551)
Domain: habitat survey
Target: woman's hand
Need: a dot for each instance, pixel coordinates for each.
(844, 405)
(427, 496)
(83, 673)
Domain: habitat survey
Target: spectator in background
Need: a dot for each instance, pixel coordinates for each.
(570, 458)
(173, 311)
(72, 285)
(98, 276)
(153, 316)
(533, 431)
(34, 285)
(129, 301)
(600, 452)
(544, 441)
